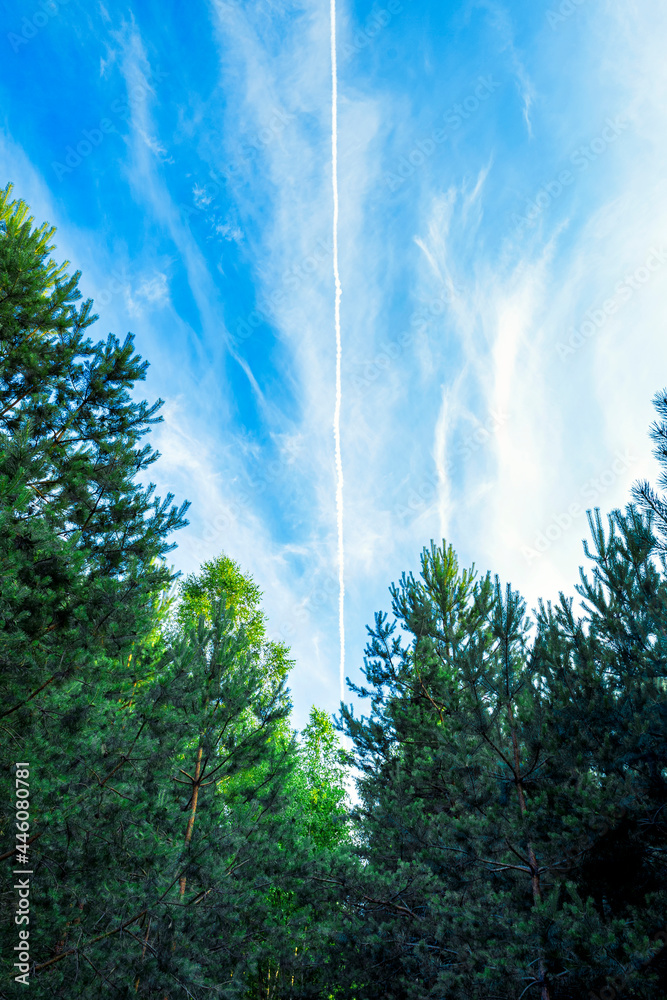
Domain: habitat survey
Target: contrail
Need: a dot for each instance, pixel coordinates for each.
(336, 423)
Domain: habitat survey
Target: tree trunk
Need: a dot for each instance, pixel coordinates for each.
(545, 993)
(193, 811)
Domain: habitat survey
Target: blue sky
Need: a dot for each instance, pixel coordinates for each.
(503, 257)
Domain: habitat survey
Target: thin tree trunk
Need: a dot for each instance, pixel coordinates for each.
(143, 952)
(193, 811)
(545, 993)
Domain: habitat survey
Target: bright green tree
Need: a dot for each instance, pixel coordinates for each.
(302, 908)
(148, 878)
(297, 916)
(222, 579)
(323, 772)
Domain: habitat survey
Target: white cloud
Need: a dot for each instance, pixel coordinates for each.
(501, 21)
(229, 232)
(151, 292)
(493, 307)
(293, 227)
(154, 145)
(223, 518)
(569, 417)
(202, 200)
(155, 289)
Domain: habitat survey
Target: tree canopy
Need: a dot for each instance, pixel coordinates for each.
(82, 543)
(507, 838)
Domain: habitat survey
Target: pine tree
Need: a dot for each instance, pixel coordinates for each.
(322, 771)
(82, 544)
(607, 671)
(221, 578)
(301, 904)
(149, 875)
(646, 498)
(483, 803)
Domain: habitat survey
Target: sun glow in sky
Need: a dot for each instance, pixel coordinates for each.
(503, 251)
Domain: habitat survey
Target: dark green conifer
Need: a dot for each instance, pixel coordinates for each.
(487, 789)
(82, 543)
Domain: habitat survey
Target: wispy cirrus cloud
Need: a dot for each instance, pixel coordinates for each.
(566, 420)
(515, 215)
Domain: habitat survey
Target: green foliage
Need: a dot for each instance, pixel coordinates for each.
(222, 579)
(323, 775)
(177, 824)
(508, 840)
(509, 836)
(133, 757)
(82, 546)
(646, 498)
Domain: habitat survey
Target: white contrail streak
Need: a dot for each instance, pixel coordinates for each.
(336, 423)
